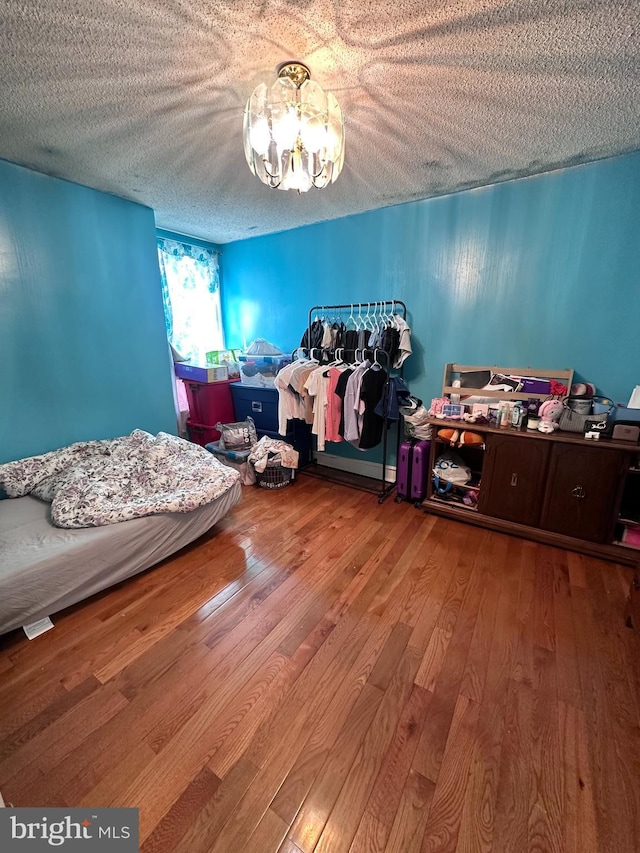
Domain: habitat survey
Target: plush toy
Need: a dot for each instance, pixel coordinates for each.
(470, 439)
(549, 414)
(456, 438)
(450, 435)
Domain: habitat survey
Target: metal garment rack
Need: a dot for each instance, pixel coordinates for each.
(375, 310)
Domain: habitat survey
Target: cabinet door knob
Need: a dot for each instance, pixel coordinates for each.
(578, 492)
(514, 479)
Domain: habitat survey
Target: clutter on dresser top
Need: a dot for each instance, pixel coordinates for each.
(536, 400)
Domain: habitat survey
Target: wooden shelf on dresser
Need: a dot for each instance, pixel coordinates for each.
(560, 489)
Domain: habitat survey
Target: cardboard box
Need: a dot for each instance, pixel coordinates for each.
(221, 356)
(201, 374)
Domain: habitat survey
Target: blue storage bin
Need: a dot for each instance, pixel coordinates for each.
(261, 404)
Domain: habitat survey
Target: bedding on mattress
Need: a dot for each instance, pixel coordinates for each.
(96, 483)
(44, 569)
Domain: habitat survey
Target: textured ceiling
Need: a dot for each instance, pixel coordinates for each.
(145, 99)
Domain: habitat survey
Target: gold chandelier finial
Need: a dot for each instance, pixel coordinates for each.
(297, 72)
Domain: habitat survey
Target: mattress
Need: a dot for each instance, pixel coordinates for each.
(44, 569)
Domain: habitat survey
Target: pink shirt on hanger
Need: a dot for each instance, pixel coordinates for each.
(334, 407)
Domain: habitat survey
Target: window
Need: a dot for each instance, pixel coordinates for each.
(191, 294)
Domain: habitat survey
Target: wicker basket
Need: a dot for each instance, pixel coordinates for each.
(274, 476)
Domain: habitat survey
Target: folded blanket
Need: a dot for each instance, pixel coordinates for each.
(93, 483)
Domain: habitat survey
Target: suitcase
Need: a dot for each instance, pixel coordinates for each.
(412, 470)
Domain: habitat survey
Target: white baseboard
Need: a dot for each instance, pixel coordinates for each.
(363, 467)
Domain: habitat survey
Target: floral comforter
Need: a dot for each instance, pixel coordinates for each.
(93, 483)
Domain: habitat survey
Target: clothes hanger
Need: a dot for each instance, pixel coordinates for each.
(376, 364)
(358, 317)
(300, 354)
(379, 317)
(368, 320)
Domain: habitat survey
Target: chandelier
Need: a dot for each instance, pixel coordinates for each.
(293, 132)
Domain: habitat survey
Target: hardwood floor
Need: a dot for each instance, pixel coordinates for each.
(325, 674)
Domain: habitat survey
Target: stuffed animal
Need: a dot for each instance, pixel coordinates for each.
(450, 435)
(549, 414)
(456, 438)
(470, 439)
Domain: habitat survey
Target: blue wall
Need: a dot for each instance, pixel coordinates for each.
(83, 350)
(541, 272)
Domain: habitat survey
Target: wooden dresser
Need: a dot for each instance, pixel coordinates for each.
(561, 488)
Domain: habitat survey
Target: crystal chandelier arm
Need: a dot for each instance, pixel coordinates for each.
(272, 177)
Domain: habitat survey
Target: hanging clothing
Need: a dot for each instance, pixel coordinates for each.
(373, 383)
(288, 404)
(340, 391)
(317, 385)
(403, 350)
(340, 330)
(363, 338)
(352, 413)
(326, 336)
(351, 340)
(395, 394)
(299, 376)
(312, 337)
(391, 342)
(334, 406)
(293, 399)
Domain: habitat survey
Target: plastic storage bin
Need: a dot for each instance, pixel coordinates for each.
(209, 402)
(236, 459)
(261, 371)
(261, 404)
(233, 455)
(201, 434)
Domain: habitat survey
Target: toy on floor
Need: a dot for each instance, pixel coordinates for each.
(549, 414)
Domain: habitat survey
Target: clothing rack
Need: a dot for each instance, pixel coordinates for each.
(375, 311)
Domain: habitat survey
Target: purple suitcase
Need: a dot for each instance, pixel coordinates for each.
(412, 470)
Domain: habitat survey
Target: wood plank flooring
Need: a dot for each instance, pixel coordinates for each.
(321, 674)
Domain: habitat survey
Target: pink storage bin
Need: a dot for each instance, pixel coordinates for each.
(201, 434)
